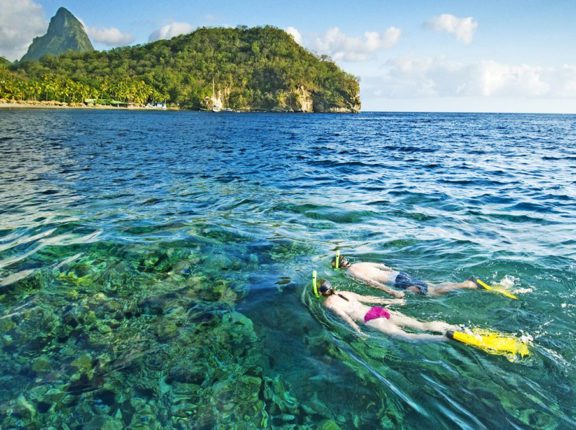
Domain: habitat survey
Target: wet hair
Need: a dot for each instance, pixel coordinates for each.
(342, 262)
(326, 288)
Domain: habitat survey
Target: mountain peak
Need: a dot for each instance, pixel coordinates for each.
(63, 11)
(65, 33)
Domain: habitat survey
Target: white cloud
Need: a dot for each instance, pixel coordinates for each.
(462, 28)
(109, 36)
(20, 22)
(171, 30)
(437, 77)
(349, 48)
(295, 34)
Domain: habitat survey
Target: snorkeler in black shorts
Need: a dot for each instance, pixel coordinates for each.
(380, 276)
(404, 281)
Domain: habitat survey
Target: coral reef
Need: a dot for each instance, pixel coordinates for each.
(140, 338)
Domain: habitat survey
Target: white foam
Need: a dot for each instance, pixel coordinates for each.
(508, 281)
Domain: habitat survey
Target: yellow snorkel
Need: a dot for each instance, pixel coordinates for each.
(315, 285)
(337, 264)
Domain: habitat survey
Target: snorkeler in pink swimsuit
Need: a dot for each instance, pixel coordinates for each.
(351, 308)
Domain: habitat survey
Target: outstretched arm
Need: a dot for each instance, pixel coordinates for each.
(381, 286)
(377, 300)
(346, 318)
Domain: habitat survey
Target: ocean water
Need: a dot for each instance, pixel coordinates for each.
(155, 268)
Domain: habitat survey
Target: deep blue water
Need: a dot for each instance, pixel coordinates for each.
(155, 267)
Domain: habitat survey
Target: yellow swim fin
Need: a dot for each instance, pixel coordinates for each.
(498, 290)
(492, 342)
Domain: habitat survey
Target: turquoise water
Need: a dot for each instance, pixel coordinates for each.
(154, 268)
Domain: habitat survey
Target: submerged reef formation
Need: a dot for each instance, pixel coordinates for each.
(127, 337)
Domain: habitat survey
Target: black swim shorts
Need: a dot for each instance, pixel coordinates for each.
(404, 280)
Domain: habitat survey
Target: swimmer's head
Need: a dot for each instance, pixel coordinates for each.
(326, 289)
(343, 262)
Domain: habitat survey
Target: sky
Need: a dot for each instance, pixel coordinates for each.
(409, 55)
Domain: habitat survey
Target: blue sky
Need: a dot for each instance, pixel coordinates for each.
(410, 55)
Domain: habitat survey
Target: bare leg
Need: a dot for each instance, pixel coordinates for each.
(391, 329)
(450, 286)
(434, 326)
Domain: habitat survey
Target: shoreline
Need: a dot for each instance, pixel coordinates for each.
(30, 104)
(4, 104)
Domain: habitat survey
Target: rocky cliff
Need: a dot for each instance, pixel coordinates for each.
(65, 33)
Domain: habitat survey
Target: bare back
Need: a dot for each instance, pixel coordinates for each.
(348, 305)
(350, 308)
(367, 271)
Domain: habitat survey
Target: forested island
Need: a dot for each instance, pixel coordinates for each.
(240, 69)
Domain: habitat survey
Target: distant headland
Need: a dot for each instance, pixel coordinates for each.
(216, 69)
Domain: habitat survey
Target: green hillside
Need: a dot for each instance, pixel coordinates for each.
(247, 69)
(65, 33)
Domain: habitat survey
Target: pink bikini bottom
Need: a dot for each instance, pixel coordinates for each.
(376, 312)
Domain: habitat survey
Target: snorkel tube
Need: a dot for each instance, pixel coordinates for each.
(337, 264)
(315, 285)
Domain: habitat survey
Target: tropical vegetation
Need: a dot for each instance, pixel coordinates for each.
(260, 68)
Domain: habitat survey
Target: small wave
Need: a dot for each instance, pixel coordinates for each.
(339, 215)
(531, 207)
(517, 218)
(15, 277)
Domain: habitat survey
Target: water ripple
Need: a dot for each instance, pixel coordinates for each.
(141, 208)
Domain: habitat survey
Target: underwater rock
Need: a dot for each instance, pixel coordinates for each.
(99, 297)
(286, 250)
(6, 325)
(36, 328)
(54, 395)
(24, 287)
(41, 364)
(83, 363)
(220, 262)
(104, 422)
(24, 409)
(166, 330)
(144, 417)
(158, 262)
(182, 267)
(73, 315)
(253, 259)
(238, 398)
(280, 399)
(225, 293)
(177, 314)
(328, 425)
(7, 340)
(103, 328)
(153, 305)
(188, 373)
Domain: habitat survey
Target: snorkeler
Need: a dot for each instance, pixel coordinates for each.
(351, 308)
(379, 276)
